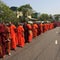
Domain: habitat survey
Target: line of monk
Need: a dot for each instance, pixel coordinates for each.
(12, 36)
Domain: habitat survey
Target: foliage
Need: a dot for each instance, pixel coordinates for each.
(44, 17)
(35, 15)
(13, 8)
(27, 6)
(57, 17)
(6, 14)
(9, 14)
(26, 10)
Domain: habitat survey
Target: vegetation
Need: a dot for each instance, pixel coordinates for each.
(44, 17)
(57, 17)
(13, 8)
(6, 14)
(9, 14)
(26, 10)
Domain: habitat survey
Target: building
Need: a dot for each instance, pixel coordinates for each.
(19, 14)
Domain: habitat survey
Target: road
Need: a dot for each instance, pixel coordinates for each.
(43, 47)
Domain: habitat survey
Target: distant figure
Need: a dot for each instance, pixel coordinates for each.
(41, 27)
(25, 32)
(48, 26)
(35, 29)
(39, 31)
(51, 26)
(45, 27)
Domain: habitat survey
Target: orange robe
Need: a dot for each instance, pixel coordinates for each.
(25, 32)
(35, 31)
(16, 37)
(1, 50)
(13, 36)
(51, 26)
(20, 32)
(48, 26)
(8, 39)
(41, 27)
(2, 39)
(30, 34)
(39, 31)
(45, 27)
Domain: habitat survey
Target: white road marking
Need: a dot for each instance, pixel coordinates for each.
(56, 42)
(56, 32)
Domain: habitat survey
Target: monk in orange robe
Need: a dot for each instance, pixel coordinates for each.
(0, 47)
(13, 36)
(1, 52)
(16, 37)
(8, 39)
(41, 27)
(48, 26)
(39, 31)
(25, 32)
(30, 34)
(35, 31)
(51, 26)
(20, 33)
(2, 40)
(45, 27)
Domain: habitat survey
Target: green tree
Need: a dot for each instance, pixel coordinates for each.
(44, 17)
(35, 15)
(57, 16)
(51, 18)
(6, 14)
(26, 10)
(13, 8)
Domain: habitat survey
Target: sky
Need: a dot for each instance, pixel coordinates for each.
(42, 6)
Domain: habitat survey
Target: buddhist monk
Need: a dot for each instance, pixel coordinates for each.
(16, 37)
(39, 31)
(20, 33)
(30, 34)
(51, 26)
(2, 40)
(48, 26)
(1, 52)
(8, 39)
(25, 32)
(0, 47)
(41, 27)
(13, 35)
(45, 27)
(35, 29)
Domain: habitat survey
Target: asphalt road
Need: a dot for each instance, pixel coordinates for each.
(43, 47)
